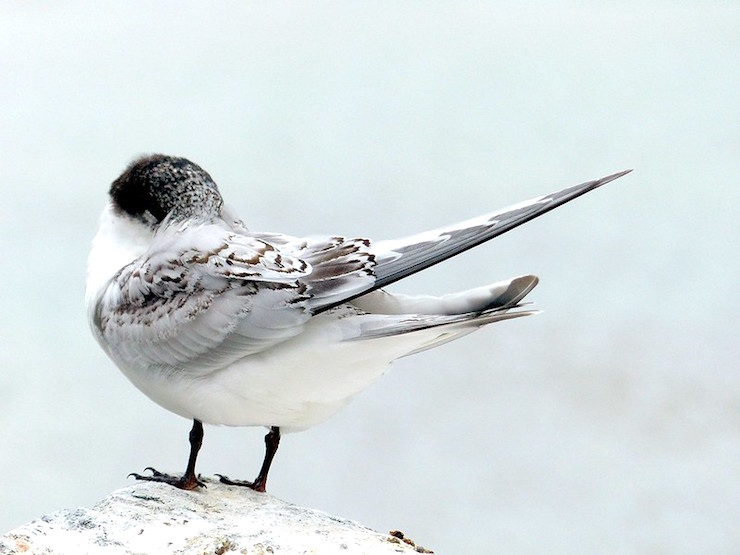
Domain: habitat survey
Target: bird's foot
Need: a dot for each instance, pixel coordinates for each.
(257, 485)
(183, 482)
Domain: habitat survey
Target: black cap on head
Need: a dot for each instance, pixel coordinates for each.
(156, 185)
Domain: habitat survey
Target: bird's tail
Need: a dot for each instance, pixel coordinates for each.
(443, 318)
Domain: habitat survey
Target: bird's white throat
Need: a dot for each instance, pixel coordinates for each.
(119, 241)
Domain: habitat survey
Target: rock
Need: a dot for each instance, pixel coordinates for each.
(156, 518)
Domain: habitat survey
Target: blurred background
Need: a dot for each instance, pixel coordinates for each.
(609, 423)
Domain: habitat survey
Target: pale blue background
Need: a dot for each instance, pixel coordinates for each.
(610, 423)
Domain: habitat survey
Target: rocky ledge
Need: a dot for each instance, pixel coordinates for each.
(155, 518)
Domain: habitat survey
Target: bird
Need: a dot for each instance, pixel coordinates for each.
(225, 326)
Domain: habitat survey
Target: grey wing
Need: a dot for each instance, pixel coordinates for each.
(200, 299)
(392, 260)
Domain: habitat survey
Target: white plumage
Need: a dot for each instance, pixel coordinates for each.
(224, 326)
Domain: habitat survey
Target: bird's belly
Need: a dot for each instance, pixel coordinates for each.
(294, 387)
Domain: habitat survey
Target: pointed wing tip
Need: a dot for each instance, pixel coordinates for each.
(612, 177)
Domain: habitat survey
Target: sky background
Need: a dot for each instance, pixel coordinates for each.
(608, 423)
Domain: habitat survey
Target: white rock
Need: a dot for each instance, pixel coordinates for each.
(156, 518)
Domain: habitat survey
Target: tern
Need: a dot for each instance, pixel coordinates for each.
(226, 326)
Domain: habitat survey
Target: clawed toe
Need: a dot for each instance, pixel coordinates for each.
(272, 440)
(187, 482)
(190, 481)
(256, 485)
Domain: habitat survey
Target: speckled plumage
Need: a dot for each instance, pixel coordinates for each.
(226, 326)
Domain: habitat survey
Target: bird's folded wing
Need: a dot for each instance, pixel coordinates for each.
(201, 298)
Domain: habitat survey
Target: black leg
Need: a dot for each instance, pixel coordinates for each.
(188, 480)
(272, 442)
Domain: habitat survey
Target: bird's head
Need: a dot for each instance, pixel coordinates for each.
(156, 187)
(153, 192)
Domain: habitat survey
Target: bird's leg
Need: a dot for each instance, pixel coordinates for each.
(272, 441)
(188, 480)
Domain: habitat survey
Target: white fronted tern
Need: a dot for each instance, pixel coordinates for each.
(226, 326)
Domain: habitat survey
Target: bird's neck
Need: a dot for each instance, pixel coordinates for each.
(119, 241)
